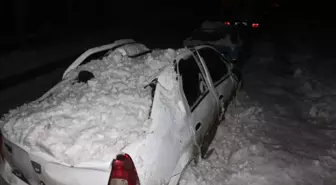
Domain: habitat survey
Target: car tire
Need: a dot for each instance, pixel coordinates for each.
(208, 139)
(223, 107)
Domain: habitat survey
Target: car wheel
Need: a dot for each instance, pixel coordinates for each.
(239, 86)
(223, 110)
(207, 140)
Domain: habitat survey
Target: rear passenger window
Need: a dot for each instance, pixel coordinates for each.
(215, 63)
(99, 55)
(193, 82)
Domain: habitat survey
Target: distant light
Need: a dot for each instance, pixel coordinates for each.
(255, 25)
(276, 4)
(227, 23)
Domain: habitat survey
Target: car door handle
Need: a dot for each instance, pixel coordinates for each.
(198, 126)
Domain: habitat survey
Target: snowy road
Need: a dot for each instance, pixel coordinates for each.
(279, 130)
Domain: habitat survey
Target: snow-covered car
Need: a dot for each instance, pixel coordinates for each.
(122, 114)
(222, 36)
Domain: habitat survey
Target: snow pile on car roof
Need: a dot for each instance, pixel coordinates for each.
(81, 121)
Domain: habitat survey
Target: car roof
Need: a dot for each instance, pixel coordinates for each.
(188, 51)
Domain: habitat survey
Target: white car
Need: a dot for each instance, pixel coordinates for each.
(145, 114)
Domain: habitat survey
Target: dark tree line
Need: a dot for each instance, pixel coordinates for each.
(23, 17)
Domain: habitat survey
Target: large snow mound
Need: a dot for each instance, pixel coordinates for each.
(81, 122)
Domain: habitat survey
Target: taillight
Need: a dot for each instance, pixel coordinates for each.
(255, 25)
(227, 23)
(123, 171)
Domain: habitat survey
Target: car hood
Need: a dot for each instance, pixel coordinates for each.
(80, 122)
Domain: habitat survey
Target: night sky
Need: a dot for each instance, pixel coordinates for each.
(23, 19)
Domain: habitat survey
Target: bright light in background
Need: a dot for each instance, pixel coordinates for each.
(255, 25)
(227, 23)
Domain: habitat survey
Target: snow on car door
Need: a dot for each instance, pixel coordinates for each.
(219, 73)
(200, 98)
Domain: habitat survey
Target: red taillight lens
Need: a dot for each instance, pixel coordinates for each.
(255, 25)
(227, 23)
(123, 169)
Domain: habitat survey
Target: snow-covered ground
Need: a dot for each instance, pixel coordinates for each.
(281, 129)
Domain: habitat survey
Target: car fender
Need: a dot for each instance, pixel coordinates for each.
(168, 133)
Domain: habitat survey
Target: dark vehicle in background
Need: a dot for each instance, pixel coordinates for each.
(235, 28)
(223, 37)
(248, 19)
(255, 16)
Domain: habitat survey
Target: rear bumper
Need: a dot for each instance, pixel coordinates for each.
(47, 172)
(53, 174)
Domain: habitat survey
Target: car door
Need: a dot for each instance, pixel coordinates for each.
(219, 72)
(199, 97)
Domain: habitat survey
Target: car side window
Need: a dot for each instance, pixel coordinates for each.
(193, 82)
(215, 63)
